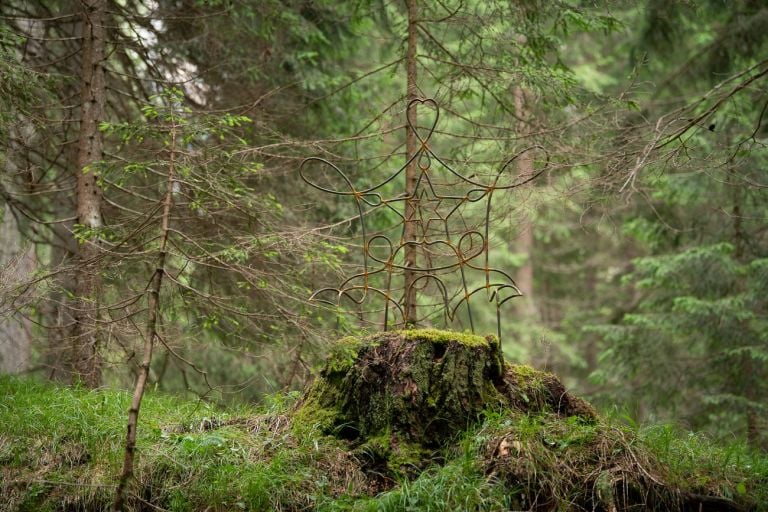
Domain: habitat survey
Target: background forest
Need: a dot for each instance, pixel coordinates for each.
(150, 188)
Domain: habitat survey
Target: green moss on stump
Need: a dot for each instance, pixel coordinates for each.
(399, 397)
(424, 386)
(343, 354)
(533, 390)
(392, 457)
(442, 337)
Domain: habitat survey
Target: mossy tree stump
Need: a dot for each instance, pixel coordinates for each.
(424, 387)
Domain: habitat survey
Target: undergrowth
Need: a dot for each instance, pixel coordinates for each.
(693, 461)
(61, 449)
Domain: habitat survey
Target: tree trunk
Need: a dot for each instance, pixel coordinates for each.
(57, 308)
(526, 240)
(411, 171)
(17, 261)
(150, 335)
(86, 360)
(23, 164)
(747, 385)
(591, 348)
(16, 264)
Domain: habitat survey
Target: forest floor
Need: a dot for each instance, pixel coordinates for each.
(61, 449)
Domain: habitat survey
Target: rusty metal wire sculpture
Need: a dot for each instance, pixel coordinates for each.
(444, 251)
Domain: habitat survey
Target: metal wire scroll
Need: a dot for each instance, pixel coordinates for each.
(451, 251)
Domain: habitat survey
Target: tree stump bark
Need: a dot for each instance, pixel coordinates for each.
(424, 386)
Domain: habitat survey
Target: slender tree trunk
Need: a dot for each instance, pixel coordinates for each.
(411, 171)
(747, 366)
(591, 348)
(86, 361)
(525, 242)
(150, 334)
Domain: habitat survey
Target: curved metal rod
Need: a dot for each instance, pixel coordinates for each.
(493, 295)
(345, 293)
(462, 259)
(443, 290)
(485, 186)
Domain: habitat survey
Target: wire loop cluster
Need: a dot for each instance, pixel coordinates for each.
(444, 248)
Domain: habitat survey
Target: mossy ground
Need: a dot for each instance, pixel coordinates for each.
(60, 449)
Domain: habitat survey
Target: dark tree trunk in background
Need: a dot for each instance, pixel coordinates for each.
(17, 262)
(525, 241)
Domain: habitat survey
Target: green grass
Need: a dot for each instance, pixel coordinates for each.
(66, 444)
(459, 485)
(695, 462)
(61, 449)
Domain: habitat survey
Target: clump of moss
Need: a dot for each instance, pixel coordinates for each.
(525, 375)
(343, 354)
(590, 466)
(442, 337)
(391, 458)
(538, 391)
(317, 412)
